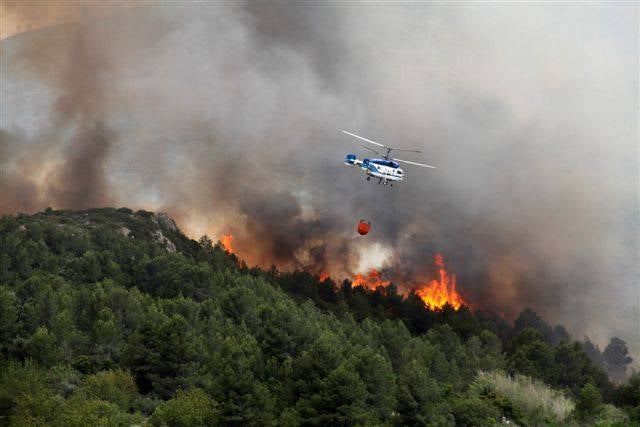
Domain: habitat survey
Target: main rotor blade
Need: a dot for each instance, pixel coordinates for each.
(364, 139)
(414, 163)
(408, 151)
(371, 149)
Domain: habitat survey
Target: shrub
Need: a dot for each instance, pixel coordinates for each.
(117, 387)
(589, 402)
(474, 412)
(188, 408)
(522, 399)
(26, 395)
(610, 415)
(95, 412)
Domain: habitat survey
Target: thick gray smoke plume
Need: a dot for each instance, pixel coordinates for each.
(229, 117)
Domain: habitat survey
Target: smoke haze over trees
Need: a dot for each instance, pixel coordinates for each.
(228, 117)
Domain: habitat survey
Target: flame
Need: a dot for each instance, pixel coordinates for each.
(435, 294)
(226, 241)
(372, 281)
(442, 290)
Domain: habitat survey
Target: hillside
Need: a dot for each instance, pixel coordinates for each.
(114, 317)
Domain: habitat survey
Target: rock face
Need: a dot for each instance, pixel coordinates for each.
(165, 221)
(162, 239)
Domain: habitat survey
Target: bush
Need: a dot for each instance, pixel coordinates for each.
(474, 412)
(589, 402)
(26, 395)
(609, 415)
(187, 408)
(527, 401)
(95, 412)
(117, 387)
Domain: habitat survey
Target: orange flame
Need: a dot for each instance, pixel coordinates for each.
(372, 281)
(226, 241)
(323, 276)
(436, 294)
(442, 290)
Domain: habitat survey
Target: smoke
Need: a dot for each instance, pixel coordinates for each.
(229, 116)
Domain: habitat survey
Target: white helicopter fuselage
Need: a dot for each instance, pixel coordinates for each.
(385, 170)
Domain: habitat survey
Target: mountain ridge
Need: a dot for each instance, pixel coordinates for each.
(112, 299)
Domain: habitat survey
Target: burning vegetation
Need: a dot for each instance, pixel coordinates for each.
(227, 243)
(371, 281)
(435, 294)
(441, 290)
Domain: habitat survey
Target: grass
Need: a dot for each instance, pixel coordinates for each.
(531, 401)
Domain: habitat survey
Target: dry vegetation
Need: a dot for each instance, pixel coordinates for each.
(535, 400)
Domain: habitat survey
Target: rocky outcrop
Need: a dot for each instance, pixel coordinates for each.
(163, 240)
(165, 221)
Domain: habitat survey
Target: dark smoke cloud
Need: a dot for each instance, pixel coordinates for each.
(18, 190)
(80, 180)
(75, 129)
(228, 116)
(75, 64)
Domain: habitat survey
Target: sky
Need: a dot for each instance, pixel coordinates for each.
(229, 115)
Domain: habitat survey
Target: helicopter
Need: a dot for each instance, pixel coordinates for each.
(386, 169)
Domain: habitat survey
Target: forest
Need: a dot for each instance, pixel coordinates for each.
(114, 317)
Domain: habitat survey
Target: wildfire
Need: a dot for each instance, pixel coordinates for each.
(436, 294)
(442, 290)
(372, 281)
(226, 241)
